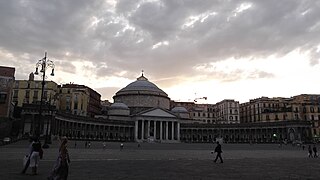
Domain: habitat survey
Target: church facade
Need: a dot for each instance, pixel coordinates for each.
(140, 113)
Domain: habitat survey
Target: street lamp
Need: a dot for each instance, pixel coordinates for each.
(275, 136)
(44, 64)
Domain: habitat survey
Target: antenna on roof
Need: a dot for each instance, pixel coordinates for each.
(142, 72)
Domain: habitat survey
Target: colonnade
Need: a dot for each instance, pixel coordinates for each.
(93, 131)
(246, 135)
(151, 130)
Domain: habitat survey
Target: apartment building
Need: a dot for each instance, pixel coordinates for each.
(29, 92)
(227, 112)
(224, 112)
(79, 100)
(6, 84)
(304, 107)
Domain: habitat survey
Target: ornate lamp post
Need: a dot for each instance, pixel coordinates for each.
(44, 64)
(275, 137)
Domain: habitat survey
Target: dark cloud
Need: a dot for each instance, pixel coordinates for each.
(121, 36)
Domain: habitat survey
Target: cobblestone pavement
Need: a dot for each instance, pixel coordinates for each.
(168, 161)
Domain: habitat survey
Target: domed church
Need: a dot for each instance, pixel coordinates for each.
(148, 106)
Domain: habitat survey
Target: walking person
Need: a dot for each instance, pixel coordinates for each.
(315, 153)
(61, 168)
(104, 144)
(36, 155)
(27, 157)
(218, 150)
(310, 151)
(89, 144)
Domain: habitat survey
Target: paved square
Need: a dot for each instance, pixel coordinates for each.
(168, 161)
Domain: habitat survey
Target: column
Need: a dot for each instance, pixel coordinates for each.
(142, 129)
(161, 130)
(172, 130)
(148, 130)
(155, 129)
(136, 130)
(178, 131)
(166, 138)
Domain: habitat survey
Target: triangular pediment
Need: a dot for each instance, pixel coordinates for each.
(158, 113)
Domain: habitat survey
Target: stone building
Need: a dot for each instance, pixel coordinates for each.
(79, 100)
(265, 109)
(29, 91)
(140, 112)
(224, 112)
(304, 107)
(6, 84)
(227, 112)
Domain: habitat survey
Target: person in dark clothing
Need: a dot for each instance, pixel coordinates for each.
(36, 155)
(310, 151)
(61, 167)
(218, 151)
(315, 154)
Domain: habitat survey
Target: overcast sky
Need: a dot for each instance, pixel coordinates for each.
(221, 49)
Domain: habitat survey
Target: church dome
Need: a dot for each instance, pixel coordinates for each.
(141, 95)
(179, 110)
(143, 86)
(118, 108)
(118, 105)
(182, 112)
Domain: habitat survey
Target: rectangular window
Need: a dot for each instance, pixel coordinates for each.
(68, 103)
(311, 109)
(15, 93)
(27, 93)
(45, 94)
(35, 95)
(3, 97)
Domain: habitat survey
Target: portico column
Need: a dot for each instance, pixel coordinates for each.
(160, 130)
(154, 130)
(167, 138)
(142, 129)
(172, 130)
(178, 131)
(136, 130)
(148, 130)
